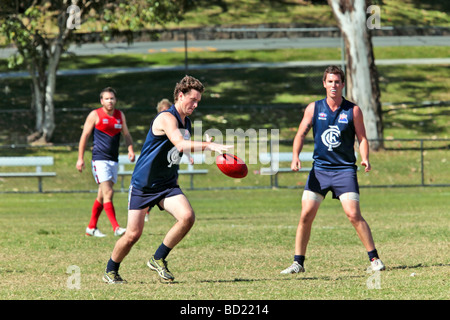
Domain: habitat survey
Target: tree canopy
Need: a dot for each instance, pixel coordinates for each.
(42, 30)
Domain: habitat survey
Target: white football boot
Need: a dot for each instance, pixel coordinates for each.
(119, 231)
(377, 265)
(294, 268)
(94, 232)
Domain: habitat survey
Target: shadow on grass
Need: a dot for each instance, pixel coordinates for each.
(417, 266)
(282, 278)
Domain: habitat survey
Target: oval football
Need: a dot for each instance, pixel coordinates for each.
(231, 165)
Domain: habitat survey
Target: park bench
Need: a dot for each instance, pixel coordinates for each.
(276, 159)
(37, 162)
(199, 158)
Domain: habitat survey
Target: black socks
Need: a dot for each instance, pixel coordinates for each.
(373, 254)
(112, 266)
(300, 259)
(162, 252)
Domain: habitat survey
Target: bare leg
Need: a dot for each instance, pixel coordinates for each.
(180, 208)
(105, 192)
(135, 227)
(309, 211)
(353, 212)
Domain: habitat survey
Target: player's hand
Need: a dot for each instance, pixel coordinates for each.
(221, 148)
(80, 165)
(296, 165)
(367, 165)
(215, 146)
(131, 156)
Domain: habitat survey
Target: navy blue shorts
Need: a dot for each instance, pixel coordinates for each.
(138, 199)
(338, 182)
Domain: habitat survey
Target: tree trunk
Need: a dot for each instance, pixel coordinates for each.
(49, 115)
(44, 84)
(38, 80)
(362, 78)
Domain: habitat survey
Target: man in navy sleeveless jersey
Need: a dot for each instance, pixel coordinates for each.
(154, 180)
(106, 123)
(335, 122)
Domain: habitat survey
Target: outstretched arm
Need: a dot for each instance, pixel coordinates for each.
(167, 124)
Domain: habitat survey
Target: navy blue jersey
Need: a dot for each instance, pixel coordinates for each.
(158, 163)
(334, 136)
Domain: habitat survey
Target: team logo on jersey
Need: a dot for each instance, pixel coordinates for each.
(322, 116)
(331, 137)
(105, 121)
(174, 156)
(343, 118)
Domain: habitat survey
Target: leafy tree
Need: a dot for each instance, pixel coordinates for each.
(42, 30)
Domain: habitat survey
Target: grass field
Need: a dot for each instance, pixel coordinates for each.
(242, 239)
(235, 251)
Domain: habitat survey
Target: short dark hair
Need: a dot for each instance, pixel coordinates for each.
(187, 84)
(108, 89)
(334, 70)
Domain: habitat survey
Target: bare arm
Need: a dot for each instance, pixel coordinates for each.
(87, 130)
(167, 124)
(360, 130)
(303, 129)
(128, 139)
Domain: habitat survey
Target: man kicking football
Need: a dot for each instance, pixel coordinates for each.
(154, 180)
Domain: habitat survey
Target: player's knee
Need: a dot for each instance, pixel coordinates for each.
(188, 219)
(131, 237)
(354, 216)
(306, 217)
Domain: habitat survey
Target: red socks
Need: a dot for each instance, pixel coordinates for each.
(111, 213)
(96, 210)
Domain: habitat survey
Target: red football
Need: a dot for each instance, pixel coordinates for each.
(231, 165)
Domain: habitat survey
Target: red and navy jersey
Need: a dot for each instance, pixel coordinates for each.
(334, 136)
(107, 136)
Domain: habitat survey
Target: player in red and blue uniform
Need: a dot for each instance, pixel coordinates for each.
(106, 124)
(335, 122)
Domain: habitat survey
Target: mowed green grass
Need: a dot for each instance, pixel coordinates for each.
(240, 242)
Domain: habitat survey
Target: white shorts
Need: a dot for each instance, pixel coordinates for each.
(105, 170)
